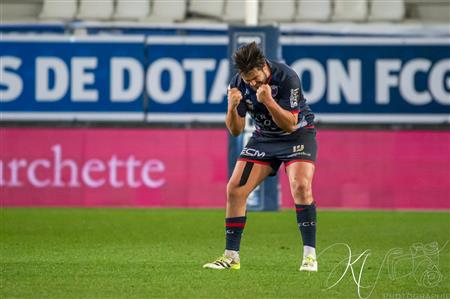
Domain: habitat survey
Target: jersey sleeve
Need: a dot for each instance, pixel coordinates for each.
(241, 108)
(290, 93)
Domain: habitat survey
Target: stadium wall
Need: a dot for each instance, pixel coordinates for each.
(89, 167)
(358, 80)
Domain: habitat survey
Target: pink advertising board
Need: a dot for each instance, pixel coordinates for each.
(113, 167)
(361, 169)
(188, 168)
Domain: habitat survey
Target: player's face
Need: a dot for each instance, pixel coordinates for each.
(256, 77)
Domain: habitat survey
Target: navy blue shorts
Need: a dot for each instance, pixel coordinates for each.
(301, 145)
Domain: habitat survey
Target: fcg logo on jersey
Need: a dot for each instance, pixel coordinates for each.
(274, 90)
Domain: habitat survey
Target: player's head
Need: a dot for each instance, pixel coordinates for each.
(251, 64)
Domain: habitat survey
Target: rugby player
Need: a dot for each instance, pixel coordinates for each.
(271, 93)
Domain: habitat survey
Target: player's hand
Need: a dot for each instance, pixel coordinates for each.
(264, 93)
(234, 98)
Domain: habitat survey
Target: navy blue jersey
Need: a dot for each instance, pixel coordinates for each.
(286, 91)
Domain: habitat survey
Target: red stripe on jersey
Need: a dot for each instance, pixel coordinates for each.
(254, 161)
(295, 111)
(293, 161)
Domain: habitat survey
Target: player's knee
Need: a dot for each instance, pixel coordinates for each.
(235, 192)
(301, 190)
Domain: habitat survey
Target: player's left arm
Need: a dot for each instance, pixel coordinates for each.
(284, 118)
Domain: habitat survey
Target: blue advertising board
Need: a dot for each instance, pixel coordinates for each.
(173, 78)
(187, 77)
(64, 78)
(373, 79)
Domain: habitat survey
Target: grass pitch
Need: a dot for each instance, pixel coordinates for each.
(148, 253)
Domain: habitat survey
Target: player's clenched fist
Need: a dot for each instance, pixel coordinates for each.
(264, 93)
(234, 97)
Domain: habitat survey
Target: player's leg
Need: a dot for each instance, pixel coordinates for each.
(247, 175)
(300, 174)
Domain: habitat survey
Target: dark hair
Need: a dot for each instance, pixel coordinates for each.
(248, 57)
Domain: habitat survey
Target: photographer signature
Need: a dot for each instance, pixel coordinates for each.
(423, 261)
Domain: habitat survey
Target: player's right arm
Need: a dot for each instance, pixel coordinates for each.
(235, 123)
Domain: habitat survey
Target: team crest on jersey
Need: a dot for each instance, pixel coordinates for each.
(249, 104)
(294, 97)
(274, 90)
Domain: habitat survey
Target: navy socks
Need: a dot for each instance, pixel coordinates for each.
(234, 228)
(306, 220)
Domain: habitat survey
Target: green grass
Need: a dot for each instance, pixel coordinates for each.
(145, 253)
